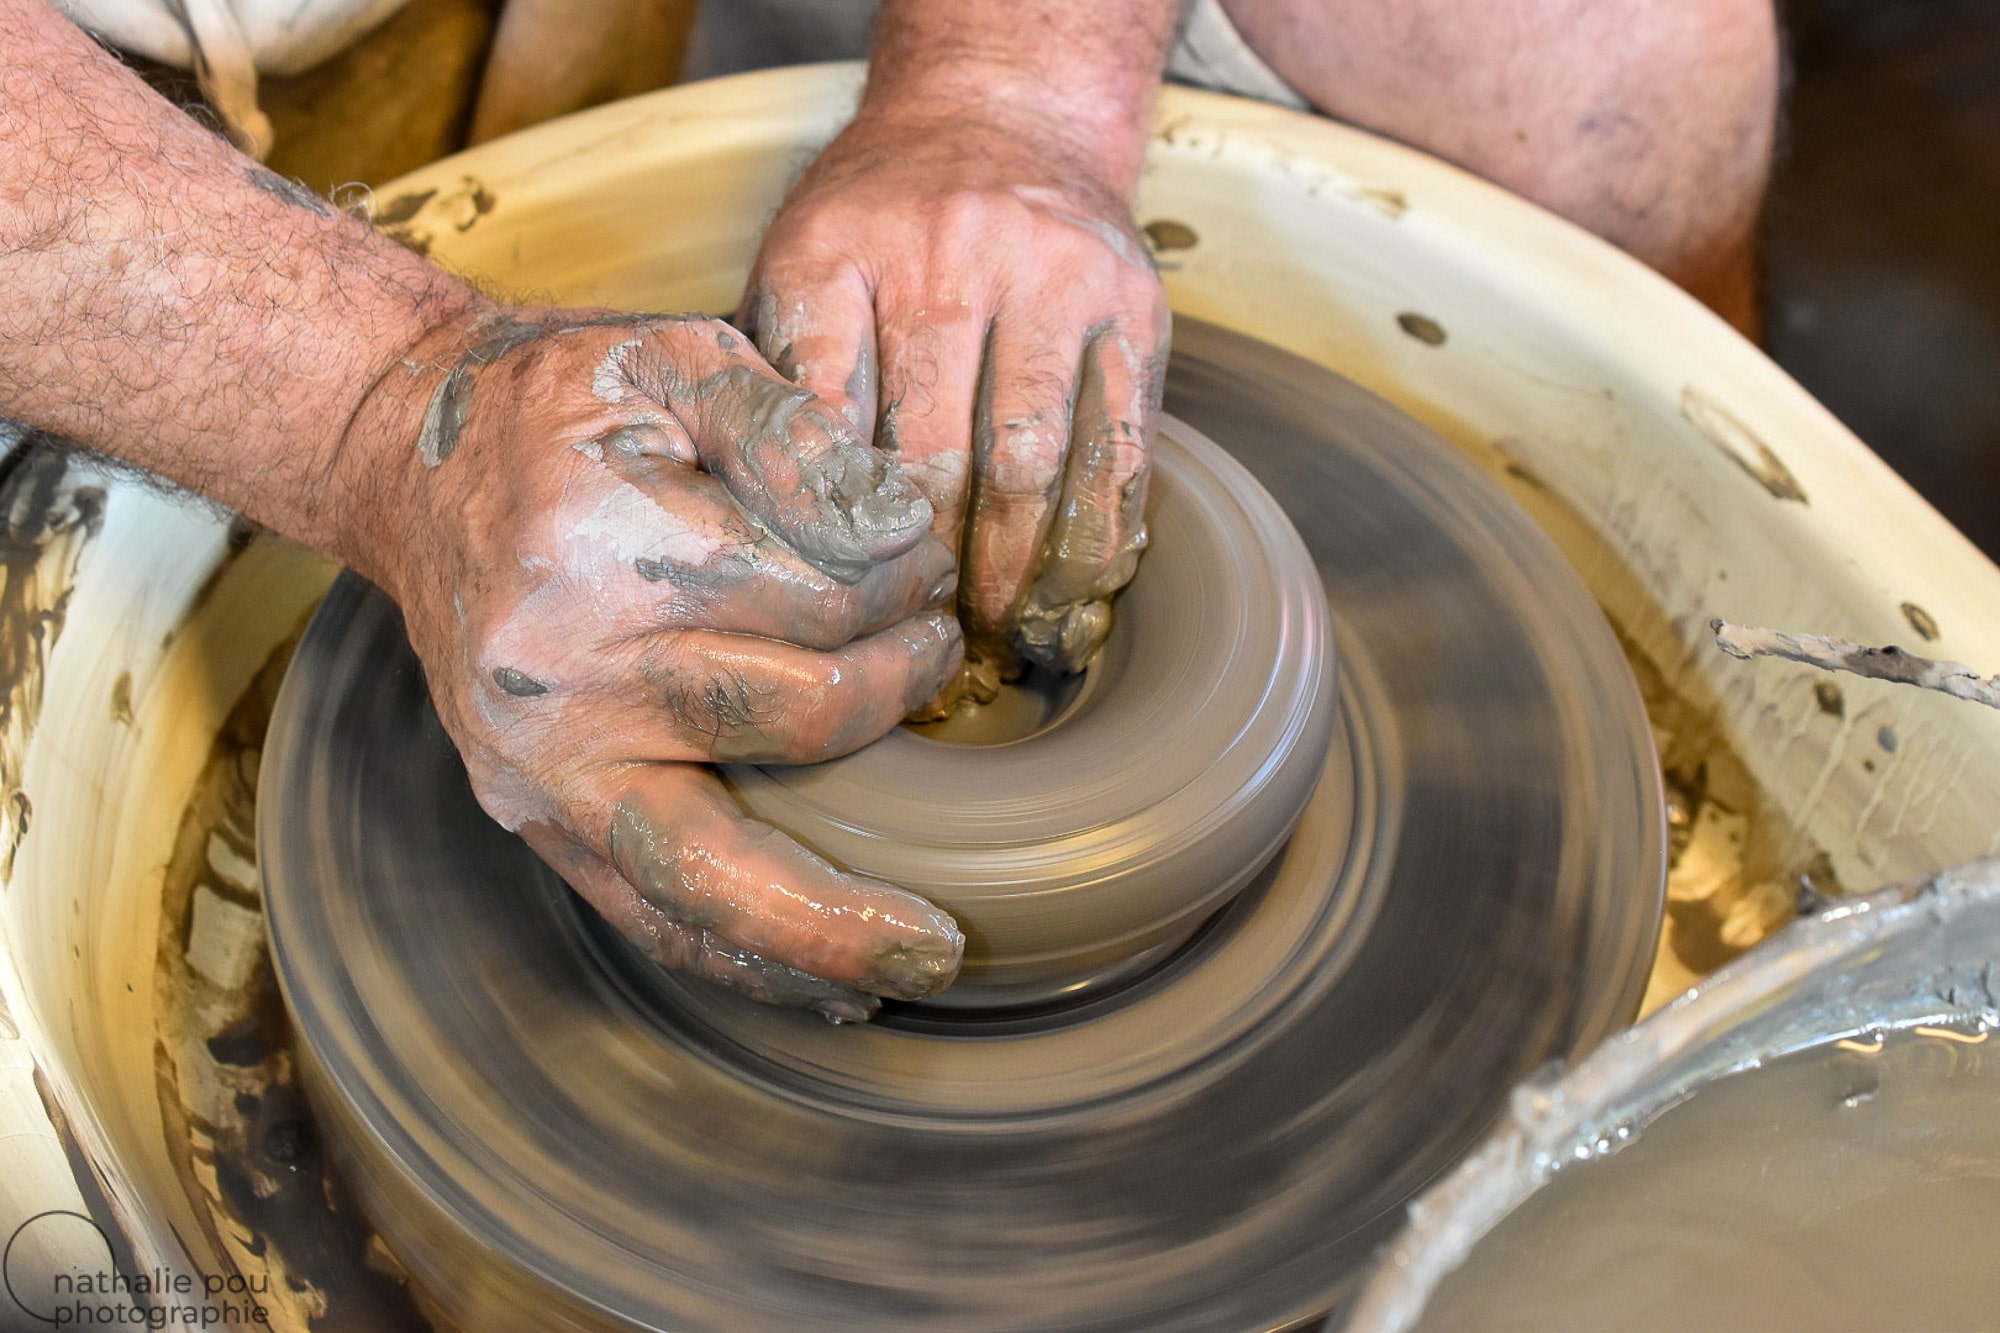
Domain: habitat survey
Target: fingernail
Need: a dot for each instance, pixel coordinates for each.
(924, 632)
(892, 508)
(922, 965)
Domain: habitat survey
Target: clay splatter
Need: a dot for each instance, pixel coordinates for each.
(1391, 203)
(1890, 663)
(402, 208)
(1921, 621)
(470, 202)
(1421, 327)
(518, 683)
(1740, 445)
(48, 519)
(461, 209)
(291, 191)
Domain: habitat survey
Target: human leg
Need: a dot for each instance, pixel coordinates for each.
(1650, 122)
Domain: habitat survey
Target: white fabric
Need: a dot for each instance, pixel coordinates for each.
(283, 36)
(228, 42)
(1210, 53)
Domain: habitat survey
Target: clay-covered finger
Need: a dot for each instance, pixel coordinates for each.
(732, 698)
(817, 329)
(1099, 528)
(689, 949)
(664, 541)
(787, 457)
(799, 468)
(703, 564)
(678, 837)
(1020, 440)
(930, 384)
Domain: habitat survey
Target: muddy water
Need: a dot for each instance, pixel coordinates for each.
(1843, 1187)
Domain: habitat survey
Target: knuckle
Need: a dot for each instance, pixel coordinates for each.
(833, 617)
(815, 737)
(940, 473)
(812, 609)
(699, 329)
(800, 723)
(818, 225)
(1024, 460)
(969, 214)
(719, 706)
(512, 667)
(824, 680)
(1138, 282)
(1117, 457)
(510, 796)
(688, 608)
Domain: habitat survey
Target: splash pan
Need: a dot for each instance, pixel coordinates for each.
(549, 1132)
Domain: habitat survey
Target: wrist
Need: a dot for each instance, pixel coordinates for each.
(379, 465)
(1097, 131)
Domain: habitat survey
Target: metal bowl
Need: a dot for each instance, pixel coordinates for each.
(1918, 956)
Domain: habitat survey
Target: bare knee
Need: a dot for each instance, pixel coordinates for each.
(1648, 121)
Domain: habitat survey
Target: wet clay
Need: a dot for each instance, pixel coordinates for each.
(1885, 663)
(1842, 1187)
(1220, 1141)
(1186, 762)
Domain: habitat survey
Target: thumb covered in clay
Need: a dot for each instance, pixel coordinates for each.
(793, 462)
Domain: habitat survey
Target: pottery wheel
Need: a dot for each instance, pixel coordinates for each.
(550, 1133)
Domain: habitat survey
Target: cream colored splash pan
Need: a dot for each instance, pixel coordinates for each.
(1684, 474)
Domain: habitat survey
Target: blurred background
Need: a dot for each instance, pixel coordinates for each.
(1883, 294)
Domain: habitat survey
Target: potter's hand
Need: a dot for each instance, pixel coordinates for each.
(629, 548)
(973, 296)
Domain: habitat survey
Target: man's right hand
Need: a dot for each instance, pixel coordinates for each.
(625, 548)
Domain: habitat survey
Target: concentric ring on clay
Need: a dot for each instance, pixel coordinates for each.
(1152, 791)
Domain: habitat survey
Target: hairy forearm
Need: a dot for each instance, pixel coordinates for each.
(165, 300)
(1080, 75)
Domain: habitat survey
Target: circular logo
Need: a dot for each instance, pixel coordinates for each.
(48, 1256)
